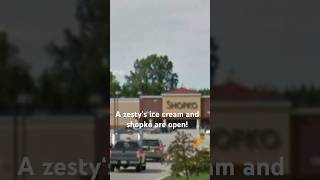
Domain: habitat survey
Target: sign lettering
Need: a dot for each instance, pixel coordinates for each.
(182, 105)
(236, 139)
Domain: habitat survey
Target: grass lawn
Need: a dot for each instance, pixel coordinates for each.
(202, 176)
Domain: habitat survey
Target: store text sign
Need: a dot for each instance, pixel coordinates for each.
(181, 105)
(268, 139)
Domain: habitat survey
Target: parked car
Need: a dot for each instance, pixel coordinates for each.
(158, 130)
(153, 148)
(127, 153)
(152, 130)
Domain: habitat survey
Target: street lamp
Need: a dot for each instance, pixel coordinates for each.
(116, 108)
(139, 93)
(117, 93)
(23, 100)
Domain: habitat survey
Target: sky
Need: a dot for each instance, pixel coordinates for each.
(264, 42)
(32, 24)
(272, 43)
(177, 28)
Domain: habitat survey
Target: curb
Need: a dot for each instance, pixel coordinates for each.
(160, 178)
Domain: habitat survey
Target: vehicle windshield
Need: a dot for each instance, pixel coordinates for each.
(131, 145)
(150, 142)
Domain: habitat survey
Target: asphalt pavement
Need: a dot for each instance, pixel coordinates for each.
(154, 171)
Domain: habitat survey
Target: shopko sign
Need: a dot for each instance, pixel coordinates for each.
(225, 140)
(181, 105)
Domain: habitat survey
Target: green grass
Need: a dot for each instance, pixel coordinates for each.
(202, 176)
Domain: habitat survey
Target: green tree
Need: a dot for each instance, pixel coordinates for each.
(202, 161)
(304, 95)
(152, 75)
(204, 91)
(80, 63)
(114, 85)
(181, 154)
(214, 59)
(14, 74)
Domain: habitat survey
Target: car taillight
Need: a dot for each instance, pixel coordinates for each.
(139, 154)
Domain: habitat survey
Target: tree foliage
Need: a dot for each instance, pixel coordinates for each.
(114, 85)
(204, 91)
(185, 158)
(80, 63)
(14, 74)
(307, 96)
(180, 152)
(202, 161)
(213, 58)
(152, 75)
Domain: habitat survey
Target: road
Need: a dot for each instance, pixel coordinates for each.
(153, 172)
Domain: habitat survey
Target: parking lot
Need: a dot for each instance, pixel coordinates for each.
(154, 171)
(167, 138)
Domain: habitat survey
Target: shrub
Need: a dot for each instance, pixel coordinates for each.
(185, 158)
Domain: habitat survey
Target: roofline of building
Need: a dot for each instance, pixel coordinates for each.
(124, 99)
(151, 96)
(284, 104)
(181, 94)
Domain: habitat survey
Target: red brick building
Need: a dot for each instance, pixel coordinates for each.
(179, 100)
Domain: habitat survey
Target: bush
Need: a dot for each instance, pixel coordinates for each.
(185, 158)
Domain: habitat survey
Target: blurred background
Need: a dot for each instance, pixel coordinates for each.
(265, 86)
(264, 72)
(53, 96)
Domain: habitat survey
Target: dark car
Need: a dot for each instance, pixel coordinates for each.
(153, 148)
(127, 153)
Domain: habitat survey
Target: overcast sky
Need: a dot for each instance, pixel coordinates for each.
(268, 42)
(265, 42)
(32, 24)
(177, 28)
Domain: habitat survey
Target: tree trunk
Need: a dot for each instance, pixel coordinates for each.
(187, 174)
